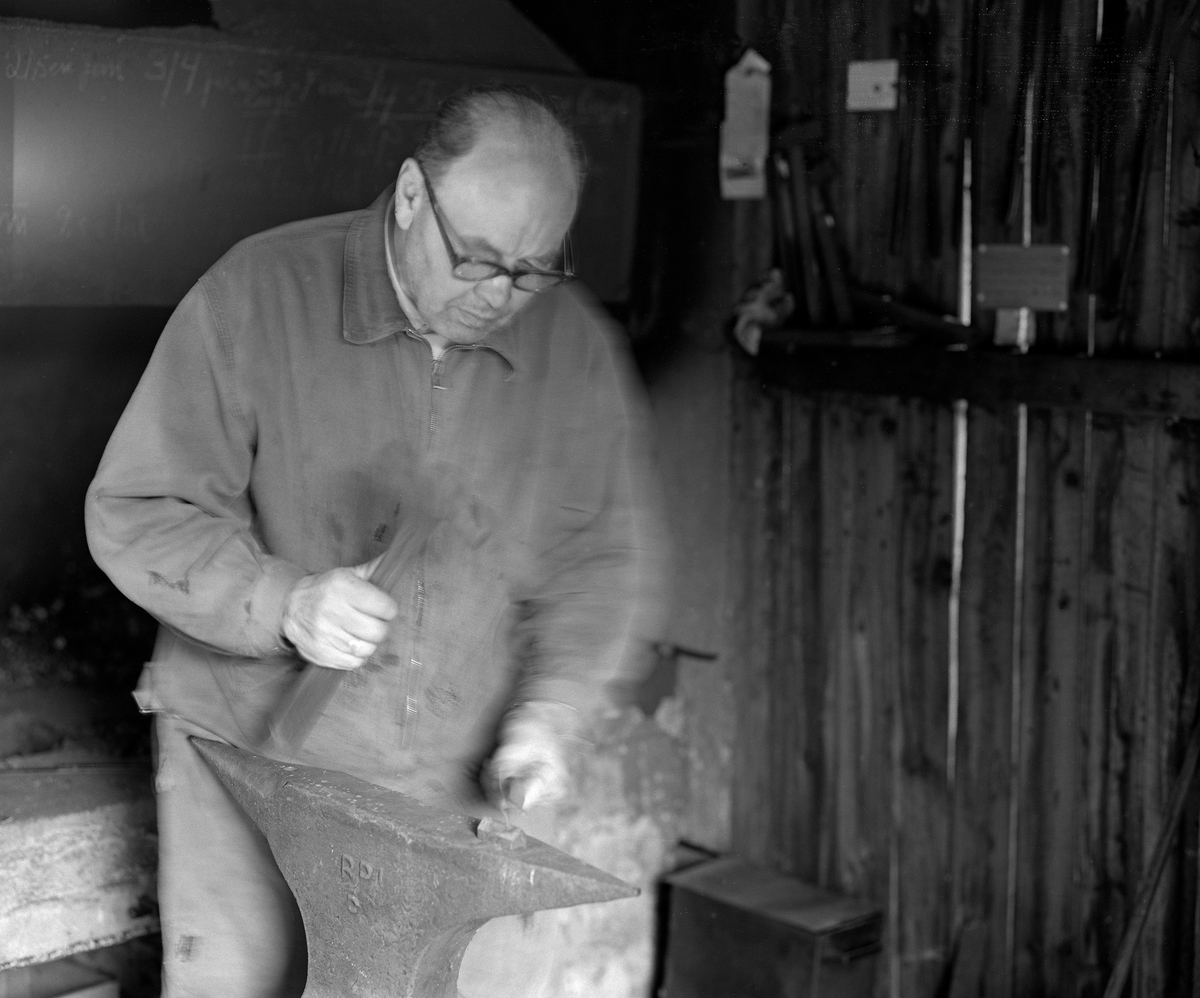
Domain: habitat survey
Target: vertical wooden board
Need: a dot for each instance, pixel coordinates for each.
(1191, 941)
(1068, 167)
(839, 815)
(1129, 40)
(1101, 903)
(859, 575)
(754, 471)
(1132, 799)
(840, 30)
(1151, 749)
(996, 143)
(982, 772)
(752, 444)
(875, 640)
(931, 277)
(780, 568)
(794, 715)
(1181, 330)
(952, 65)
(1051, 752)
(925, 465)
(1145, 305)
(863, 144)
(1119, 549)
(1181, 621)
(811, 650)
(1169, 691)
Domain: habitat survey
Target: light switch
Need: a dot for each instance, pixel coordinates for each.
(872, 85)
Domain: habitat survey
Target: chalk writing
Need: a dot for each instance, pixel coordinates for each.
(263, 137)
(118, 220)
(100, 67)
(166, 67)
(28, 64)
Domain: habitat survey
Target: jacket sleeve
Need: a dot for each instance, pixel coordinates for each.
(169, 516)
(602, 595)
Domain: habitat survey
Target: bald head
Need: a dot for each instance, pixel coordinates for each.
(512, 116)
(506, 173)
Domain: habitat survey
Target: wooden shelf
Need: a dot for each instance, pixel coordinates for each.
(1129, 386)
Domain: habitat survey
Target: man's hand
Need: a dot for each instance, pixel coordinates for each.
(337, 618)
(531, 766)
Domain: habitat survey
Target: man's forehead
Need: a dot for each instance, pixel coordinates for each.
(507, 179)
(502, 158)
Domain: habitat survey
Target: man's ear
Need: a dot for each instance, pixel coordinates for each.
(410, 192)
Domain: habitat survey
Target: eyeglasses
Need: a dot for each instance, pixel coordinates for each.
(467, 268)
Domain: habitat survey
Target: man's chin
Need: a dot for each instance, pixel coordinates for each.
(469, 328)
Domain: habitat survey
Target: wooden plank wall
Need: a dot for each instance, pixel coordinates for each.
(999, 798)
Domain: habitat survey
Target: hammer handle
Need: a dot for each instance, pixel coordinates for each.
(301, 707)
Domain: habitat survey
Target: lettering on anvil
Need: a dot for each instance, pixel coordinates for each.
(358, 872)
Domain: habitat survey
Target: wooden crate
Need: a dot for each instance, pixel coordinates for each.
(739, 929)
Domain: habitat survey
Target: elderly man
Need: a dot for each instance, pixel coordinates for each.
(416, 377)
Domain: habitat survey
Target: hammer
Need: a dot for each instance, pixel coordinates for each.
(294, 717)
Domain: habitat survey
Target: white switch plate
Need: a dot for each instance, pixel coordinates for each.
(872, 85)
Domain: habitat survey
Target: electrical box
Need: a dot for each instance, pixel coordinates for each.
(872, 85)
(738, 929)
(1011, 276)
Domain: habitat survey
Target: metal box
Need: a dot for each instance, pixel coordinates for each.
(1036, 277)
(736, 929)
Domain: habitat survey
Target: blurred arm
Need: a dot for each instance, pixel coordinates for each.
(602, 592)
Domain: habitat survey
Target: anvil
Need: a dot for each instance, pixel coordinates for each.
(392, 890)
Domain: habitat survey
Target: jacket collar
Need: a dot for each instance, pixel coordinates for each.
(370, 309)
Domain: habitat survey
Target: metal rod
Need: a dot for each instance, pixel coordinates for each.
(961, 411)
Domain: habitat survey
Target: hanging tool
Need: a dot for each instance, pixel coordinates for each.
(792, 141)
(830, 260)
(785, 227)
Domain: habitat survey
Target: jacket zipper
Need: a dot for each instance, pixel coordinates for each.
(415, 667)
(435, 386)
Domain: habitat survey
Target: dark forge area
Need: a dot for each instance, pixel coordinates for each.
(65, 375)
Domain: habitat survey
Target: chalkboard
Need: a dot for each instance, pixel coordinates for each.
(129, 162)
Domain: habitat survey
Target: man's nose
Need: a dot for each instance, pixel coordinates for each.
(496, 291)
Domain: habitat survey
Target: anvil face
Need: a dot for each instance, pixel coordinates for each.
(392, 890)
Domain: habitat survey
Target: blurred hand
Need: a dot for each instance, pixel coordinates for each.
(530, 767)
(337, 618)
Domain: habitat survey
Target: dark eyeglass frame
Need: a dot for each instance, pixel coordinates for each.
(467, 268)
